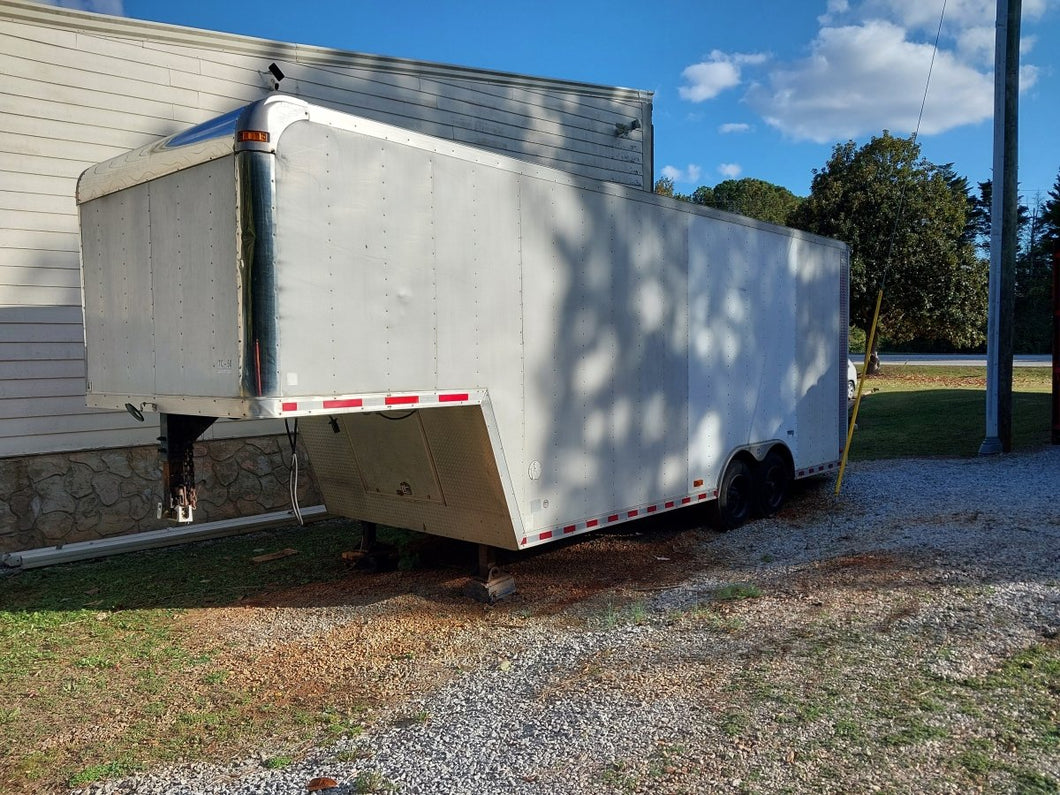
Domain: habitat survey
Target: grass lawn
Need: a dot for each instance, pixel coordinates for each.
(99, 642)
(913, 411)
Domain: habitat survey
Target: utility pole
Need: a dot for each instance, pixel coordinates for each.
(1056, 344)
(1003, 232)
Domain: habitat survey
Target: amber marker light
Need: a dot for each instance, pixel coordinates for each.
(256, 136)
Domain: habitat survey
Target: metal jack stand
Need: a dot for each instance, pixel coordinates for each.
(367, 557)
(492, 583)
(176, 448)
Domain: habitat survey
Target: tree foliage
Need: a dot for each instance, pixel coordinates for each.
(1050, 219)
(755, 198)
(980, 216)
(1033, 321)
(1038, 234)
(703, 195)
(664, 186)
(907, 221)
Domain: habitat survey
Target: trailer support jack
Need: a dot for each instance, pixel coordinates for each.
(370, 556)
(492, 583)
(176, 443)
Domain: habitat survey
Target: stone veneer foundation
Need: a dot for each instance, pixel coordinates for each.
(60, 498)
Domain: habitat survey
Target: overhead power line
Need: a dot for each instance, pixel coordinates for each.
(870, 341)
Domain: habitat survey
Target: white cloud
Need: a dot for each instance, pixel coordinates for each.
(1028, 76)
(921, 15)
(969, 23)
(835, 8)
(960, 14)
(865, 78)
(730, 170)
(734, 127)
(706, 79)
(867, 67)
(115, 8)
(690, 174)
(976, 45)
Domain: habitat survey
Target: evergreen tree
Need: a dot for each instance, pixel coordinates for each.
(1039, 230)
(1033, 313)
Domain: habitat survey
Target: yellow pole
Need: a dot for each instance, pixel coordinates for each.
(861, 386)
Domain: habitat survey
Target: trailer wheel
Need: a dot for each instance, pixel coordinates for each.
(774, 481)
(736, 495)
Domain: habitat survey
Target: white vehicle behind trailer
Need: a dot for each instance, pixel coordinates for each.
(473, 346)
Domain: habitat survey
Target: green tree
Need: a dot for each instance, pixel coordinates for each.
(755, 198)
(1050, 218)
(1033, 315)
(664, 186)
(703, 195)
(908, 218)
(979, 219)
(1038, 230)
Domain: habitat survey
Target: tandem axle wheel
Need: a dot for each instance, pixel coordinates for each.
(751, 488)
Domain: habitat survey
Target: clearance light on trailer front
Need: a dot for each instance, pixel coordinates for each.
(252, 136)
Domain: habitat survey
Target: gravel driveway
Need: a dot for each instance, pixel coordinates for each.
(902, 637)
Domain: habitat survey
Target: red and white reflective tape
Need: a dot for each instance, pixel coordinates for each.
(636, 511)
(817, 470)
(346, 403)
(617, 517)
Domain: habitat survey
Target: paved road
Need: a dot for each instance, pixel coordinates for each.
(953, 360)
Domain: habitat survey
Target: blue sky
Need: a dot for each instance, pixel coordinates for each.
(742, 89)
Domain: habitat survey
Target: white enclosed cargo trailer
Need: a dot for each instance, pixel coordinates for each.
(474, 346)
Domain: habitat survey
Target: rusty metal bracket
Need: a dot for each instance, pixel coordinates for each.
(176, 448)
(492, 583)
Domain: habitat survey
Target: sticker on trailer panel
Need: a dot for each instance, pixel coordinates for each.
(538, 505)
(225, 365)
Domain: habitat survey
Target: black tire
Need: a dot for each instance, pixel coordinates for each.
(773, 483)
(736, 495)
(852, 390)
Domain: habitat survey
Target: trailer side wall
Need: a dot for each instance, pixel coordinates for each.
(628, 344)
(610, 350)
(606, 337)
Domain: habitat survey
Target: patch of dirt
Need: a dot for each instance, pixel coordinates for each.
(374, 639)
(373, 642)
(867, 570)
(914, 377)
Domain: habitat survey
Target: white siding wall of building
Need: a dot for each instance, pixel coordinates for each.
(79, 88)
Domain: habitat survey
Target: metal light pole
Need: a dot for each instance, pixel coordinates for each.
(1055, 437)
(1003, 231)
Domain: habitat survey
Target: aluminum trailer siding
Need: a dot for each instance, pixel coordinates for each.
(473, 346)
